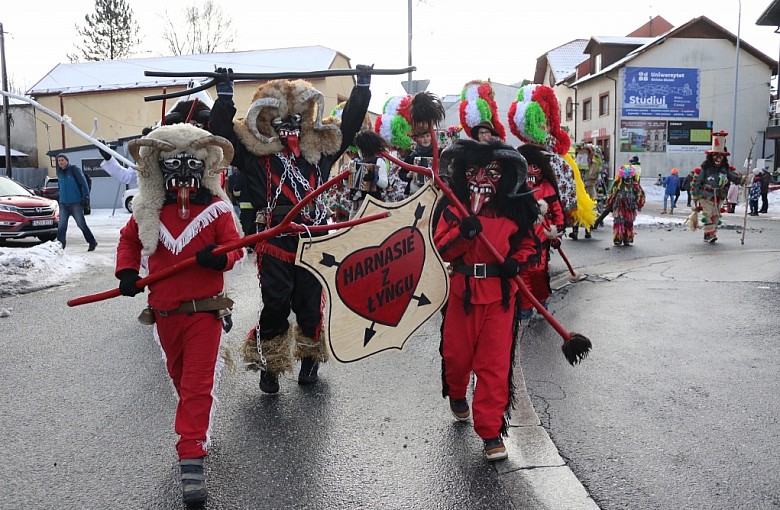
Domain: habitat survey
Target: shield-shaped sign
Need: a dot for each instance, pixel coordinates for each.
(383, 278)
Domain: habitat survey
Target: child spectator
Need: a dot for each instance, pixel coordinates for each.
(755, 192)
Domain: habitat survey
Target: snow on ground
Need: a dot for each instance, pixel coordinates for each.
(26, 268)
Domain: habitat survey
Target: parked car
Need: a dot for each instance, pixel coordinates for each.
(50, 189)
(127, 199)
(23, 214)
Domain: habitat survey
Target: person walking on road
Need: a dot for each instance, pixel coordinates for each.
(478, 333)
(710, 184)
(626, 199)
(186, 308)
(671, 190)
(74, 197)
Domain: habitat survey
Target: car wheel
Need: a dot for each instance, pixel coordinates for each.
(129, 204)
(47, 238)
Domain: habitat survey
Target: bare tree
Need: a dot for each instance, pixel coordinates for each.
(203, 28)
(109, 33)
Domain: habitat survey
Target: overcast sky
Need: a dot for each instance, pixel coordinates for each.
(453, 41)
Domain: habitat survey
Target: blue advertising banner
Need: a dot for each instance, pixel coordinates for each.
(660, 92)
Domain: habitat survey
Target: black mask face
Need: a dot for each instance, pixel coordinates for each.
(289, 132)
(183, 176)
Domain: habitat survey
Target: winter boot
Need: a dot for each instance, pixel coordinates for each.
(193, 481)
(311, 352)
(663, 212)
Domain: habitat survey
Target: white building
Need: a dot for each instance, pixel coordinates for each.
(659, 92)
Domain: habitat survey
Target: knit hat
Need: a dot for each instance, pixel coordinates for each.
(478, 109)
(674, 171)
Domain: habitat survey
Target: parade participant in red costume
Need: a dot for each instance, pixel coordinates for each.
(285, 151)
(181, 211)
(478, 330)
(541, 178)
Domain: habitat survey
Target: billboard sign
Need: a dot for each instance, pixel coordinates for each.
(661, 92)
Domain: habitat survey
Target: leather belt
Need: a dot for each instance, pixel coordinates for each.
(212, 304)
(478, 270)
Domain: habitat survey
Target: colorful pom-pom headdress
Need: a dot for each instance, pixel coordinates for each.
(628, 172)
(395, 123)
(478, 109)
(535, 118)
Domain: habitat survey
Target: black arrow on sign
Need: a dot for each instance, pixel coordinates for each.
(422, 299)
(328, 260)
(369, 334)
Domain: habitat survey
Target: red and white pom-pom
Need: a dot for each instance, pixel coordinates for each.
(542, 211)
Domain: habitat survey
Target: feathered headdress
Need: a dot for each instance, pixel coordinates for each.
(478, 108)
(395, 123)
(535, 109)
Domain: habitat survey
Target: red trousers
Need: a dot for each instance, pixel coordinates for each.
(480, 342)
(191, 346)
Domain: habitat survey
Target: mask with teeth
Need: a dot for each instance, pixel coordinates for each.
(482, 184)
(183, 178)
(289, 131)
(534, 173)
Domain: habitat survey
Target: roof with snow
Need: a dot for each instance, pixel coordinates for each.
(129, 73)
(715, 30)
(564, 59)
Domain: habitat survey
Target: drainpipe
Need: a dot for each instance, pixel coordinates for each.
(614, 128)
(574, 111)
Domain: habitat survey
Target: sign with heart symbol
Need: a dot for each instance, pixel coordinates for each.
(378, 282)
(383, 279)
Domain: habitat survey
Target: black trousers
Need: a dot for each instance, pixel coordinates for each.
(764, 201)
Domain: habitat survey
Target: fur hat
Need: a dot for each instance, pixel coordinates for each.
(282, 98)
(534, 117)
(395, 123)
(168, 141)
(478, 107)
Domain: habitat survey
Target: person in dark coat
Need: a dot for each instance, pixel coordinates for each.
(765, 178)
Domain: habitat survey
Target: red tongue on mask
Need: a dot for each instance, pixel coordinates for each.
(292, 144)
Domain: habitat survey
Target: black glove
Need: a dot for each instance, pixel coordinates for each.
(103, 153)
(364, 75)
(225, 84)
(369, 176)
(510, 268)
(207, 259)
(127, 279)
(470, 227)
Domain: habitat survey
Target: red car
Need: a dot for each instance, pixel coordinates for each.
(24, 214)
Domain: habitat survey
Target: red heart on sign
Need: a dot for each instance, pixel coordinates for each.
(378, 282)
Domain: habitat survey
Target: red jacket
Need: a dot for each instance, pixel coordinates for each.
(180, 240)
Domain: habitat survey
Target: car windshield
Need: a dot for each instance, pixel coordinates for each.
(12, 188)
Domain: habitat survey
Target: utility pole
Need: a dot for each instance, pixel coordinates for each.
(409, 13)
(736, 88)
(6, 112)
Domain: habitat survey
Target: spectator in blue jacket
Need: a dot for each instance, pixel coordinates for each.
(671, 185)
(74, 195)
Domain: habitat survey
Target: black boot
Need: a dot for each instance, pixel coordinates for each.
(308, 373)
(269, 382)
(193, 481)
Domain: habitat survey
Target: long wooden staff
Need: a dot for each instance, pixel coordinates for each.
(745, 188)
(286, 225)
(575, 346)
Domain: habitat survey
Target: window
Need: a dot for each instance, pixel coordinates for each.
(569, 109)
(586, 109)
(604, 104)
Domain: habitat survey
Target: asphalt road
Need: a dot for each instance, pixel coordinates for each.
(674, 408)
